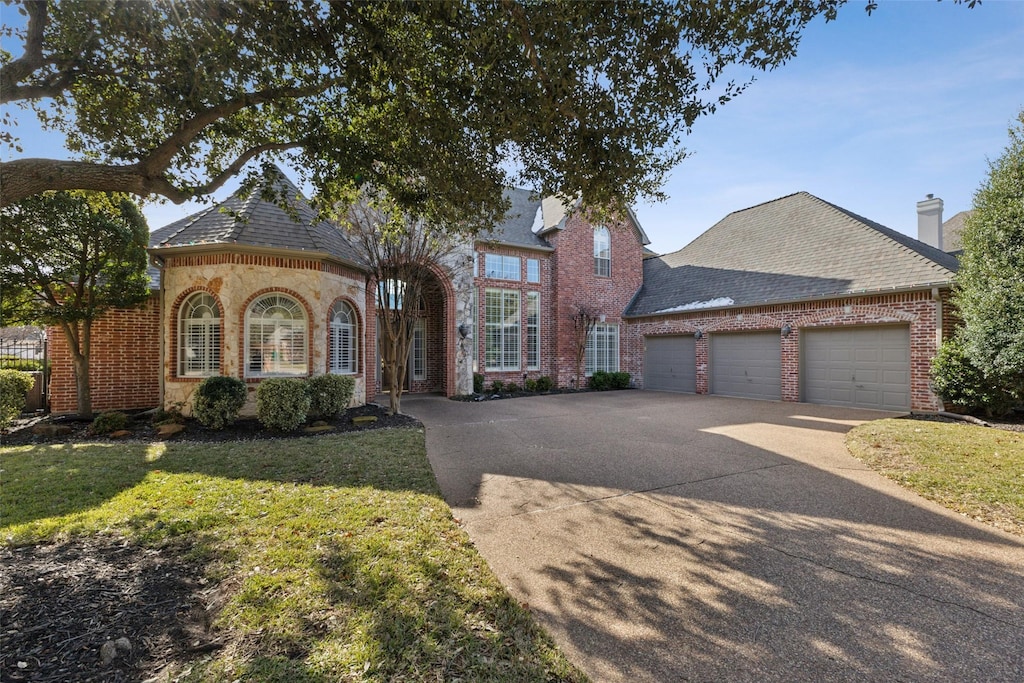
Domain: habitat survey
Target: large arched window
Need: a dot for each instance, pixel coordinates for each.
(275, 337)
(343, 344)
(199, 336)
(602, 251)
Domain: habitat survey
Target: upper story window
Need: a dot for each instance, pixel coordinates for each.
(501, 267)
(602, 251)
(275, 337)
(199, 337)
(343, 339)
(532, 270)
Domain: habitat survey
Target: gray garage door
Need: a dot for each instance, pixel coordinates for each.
(864, 367)
(746, 364)
(670, 364)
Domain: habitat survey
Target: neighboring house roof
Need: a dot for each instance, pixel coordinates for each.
(789, 249)
(951, 230)
(23, 333)
(259, 221)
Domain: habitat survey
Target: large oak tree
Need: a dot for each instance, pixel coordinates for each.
(173, 97)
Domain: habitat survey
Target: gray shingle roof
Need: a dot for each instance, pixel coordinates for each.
(520, 221)
(259, 221)
(792, 248)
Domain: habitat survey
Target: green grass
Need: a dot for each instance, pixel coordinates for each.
(336, 556)
(977, 471)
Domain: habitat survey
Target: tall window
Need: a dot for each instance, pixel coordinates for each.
(532, 270)
(275, 337)
(501, 322)
(199, 337)
(602, 251)
(602, 349)
(418, 351)
(533, 331)
(343, 343)
(474, 314)
(501, 267)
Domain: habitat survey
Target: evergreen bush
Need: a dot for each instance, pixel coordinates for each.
(14, 385)
(544, 383)
(478, 383)
(217, 401)
(329, 395)
(108, 422)
(282, 403)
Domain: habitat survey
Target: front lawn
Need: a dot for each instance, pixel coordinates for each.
(333, 558)
(977, 471)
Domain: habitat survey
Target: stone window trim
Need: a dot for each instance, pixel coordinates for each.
(243, 315)
(174, 334)
(357, 324)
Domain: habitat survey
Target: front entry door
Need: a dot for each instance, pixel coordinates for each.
(415, 365)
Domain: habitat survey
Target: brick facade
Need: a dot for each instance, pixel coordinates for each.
(124, 367)
(917, 309)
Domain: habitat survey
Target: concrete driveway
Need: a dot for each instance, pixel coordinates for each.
(669, 537)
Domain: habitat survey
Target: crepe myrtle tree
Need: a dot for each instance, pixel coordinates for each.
(171, 98)
(65, 259)
(402, 253)
(584, 318)
(983, 366)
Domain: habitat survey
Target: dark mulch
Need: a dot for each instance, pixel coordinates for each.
(140, 428)
(60, 604)
(1014, 422)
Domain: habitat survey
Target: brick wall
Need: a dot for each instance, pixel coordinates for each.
(124, 370)
(917, 310)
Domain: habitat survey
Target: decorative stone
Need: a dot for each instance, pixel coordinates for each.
(169, 430)
(119, 434)
(364, 419)
(108, 652)
(51, 430)
(123, 645)
(316, 429)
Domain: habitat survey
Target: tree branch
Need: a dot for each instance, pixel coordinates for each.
(32, 58)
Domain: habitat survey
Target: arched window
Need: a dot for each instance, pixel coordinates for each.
(275, 337)
(343, 344)
(602, 251)
(199, 336)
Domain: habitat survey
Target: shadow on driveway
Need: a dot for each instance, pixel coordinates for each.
(675, 537)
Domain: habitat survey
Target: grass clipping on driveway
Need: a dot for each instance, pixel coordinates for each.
(336, 556)
(976, 471)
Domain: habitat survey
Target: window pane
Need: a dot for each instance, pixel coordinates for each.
(533, 331)
(276, 337)
(532, 270)
(602, 251)
(343, 339)
(199, 337)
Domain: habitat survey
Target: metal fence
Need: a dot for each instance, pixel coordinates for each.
(30, 355)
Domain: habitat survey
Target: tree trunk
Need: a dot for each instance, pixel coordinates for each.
(83, 389)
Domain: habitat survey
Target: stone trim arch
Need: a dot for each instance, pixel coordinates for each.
(173, 337)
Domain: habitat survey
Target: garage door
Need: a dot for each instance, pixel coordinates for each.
(863, 367)
(669, 364)
(747, 364)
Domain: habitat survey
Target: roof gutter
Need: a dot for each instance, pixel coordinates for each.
(932, 287)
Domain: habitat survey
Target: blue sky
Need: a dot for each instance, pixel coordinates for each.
(873, 114)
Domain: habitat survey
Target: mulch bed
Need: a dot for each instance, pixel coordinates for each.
(1014, 422)
(65, 604)
(244, 429)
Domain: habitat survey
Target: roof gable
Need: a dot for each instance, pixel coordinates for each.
(792, 248)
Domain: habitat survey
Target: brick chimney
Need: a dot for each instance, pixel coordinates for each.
(929, 221)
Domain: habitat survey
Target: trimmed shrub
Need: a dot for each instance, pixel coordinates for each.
(511, 388)
(497, 386)
(23, 364)
(14, 385)
(478, 383)
(329, 395)
(109, 422)
(620, 380)
(600, 381)
(282, 403)
(217, 401)
(530, 385)
(544, 383)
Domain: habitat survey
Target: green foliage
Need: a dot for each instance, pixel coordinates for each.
(330, 394)
(600, 381)
(990, 289)
(957, 380)
(14, 384)
(282, 403)
(590, 97)
(530, 385)
(511, 388)
(217, 400)
(620, 380)
(23, 364)
(478, 383)
(497, 386)
(108, 422)
(545, 383)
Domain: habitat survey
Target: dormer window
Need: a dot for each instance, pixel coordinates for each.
(602, 251)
